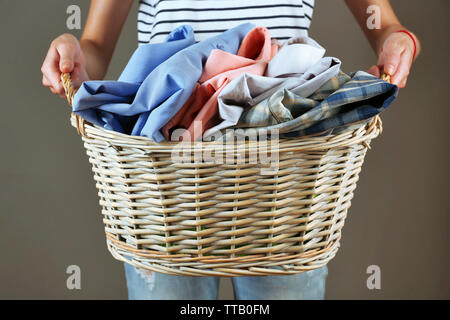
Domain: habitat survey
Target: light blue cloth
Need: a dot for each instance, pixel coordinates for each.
(118, 95)
(156, 83)
(308, 285)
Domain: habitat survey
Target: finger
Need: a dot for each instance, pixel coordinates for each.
(76, 76)
(403, 68)
(403, 83)
(79, 75)
(374, 70)
(62, 95)
(53, 90)
(50, 69)
(390, 60)
(58, 94)
(46, 82)
(67, 52)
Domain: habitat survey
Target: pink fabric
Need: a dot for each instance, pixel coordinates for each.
(255, 52)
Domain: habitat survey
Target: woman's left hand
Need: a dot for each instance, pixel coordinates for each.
(395, 58)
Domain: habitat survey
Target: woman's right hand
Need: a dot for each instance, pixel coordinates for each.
(64, 56)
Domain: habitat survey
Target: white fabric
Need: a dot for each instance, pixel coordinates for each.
(296, 56)
(248, 90)
(284, 18)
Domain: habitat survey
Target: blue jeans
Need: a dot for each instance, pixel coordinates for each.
(146, 285)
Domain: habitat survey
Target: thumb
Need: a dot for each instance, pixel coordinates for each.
(390, 60)
(66, 57)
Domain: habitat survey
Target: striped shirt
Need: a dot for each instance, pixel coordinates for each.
(283, 18)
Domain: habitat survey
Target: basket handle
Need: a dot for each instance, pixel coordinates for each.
(386, 77)
(70, 91)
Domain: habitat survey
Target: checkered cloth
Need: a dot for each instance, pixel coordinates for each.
(339, 103)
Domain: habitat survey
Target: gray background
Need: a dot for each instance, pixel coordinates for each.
(50, 218)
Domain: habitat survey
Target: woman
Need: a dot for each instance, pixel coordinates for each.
(88, 59)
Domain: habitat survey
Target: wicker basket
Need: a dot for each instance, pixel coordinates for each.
(209, 218)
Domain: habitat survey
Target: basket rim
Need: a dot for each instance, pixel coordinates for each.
(366, 130)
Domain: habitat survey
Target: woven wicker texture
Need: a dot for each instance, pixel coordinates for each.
(227, 216)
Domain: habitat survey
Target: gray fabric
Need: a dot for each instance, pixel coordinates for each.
(248, 90)
(344, 100)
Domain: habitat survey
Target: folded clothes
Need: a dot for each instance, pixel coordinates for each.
(106, 103)
(248, 90)
(219, 83)
(342, 101)
(200, 112)
(144, 101)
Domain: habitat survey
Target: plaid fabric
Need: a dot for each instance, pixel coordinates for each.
(342, 101)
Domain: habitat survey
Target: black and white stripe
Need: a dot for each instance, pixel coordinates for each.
(284, 18)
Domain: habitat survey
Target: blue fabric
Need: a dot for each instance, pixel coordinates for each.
(360, 99)
(92, 95)
(146, 285)
(342, 101)
(156, 83)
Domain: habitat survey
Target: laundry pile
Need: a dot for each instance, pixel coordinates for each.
(241, 78)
